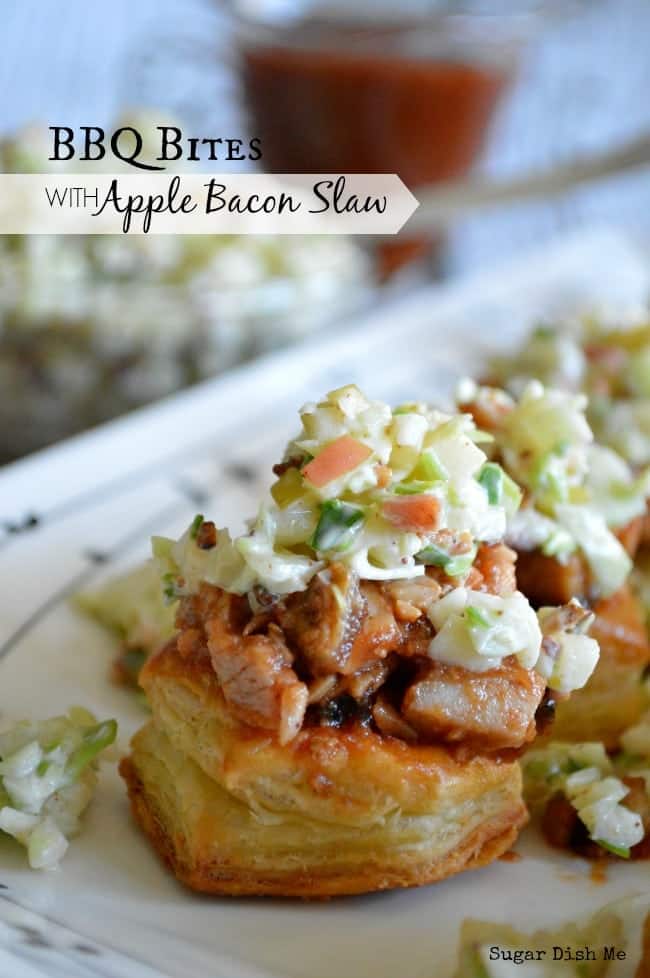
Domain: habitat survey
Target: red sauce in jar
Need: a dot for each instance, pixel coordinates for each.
(321, 110)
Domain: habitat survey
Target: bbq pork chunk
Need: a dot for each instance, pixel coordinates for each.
(350, 684)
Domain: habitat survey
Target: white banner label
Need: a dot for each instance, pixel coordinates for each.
(208, 203)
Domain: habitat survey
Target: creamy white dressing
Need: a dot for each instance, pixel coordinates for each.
(47, 779)
(477, 630)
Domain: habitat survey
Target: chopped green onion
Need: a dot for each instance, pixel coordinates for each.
(43, 768)
(475, 617)
(460, 564)
(622, 852)
(453, 566)
(197, 522)
(170, 592)
(433, 556)
(540, 770)
(94, 740)
(453, 495)
(500, 488)
(571, 766)
(337, 525)
(550, 478)
(491, 478)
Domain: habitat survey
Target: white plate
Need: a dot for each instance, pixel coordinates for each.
(111, 909)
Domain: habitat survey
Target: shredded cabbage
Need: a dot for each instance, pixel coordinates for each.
(47, 779)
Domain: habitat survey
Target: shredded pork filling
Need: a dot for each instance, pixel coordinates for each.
(347, 651)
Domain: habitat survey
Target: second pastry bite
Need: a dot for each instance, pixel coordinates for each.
(616, 695)
(578, 528)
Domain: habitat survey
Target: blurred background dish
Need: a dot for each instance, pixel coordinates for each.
(93, 326)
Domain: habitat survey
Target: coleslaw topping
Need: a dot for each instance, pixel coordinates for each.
(380, 490)
(47, 779)
(576, 492)
(588, 778)
(607, 357)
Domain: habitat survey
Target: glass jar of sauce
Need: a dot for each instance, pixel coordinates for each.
(378, 87)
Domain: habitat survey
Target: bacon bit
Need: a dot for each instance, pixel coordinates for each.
(454, 542)
(417, 513)
(412, 598)
(384, 474)
(496, 564)
(294, 462)
(489, 410)
(472, 580)
(339, 457)
(206, 537)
